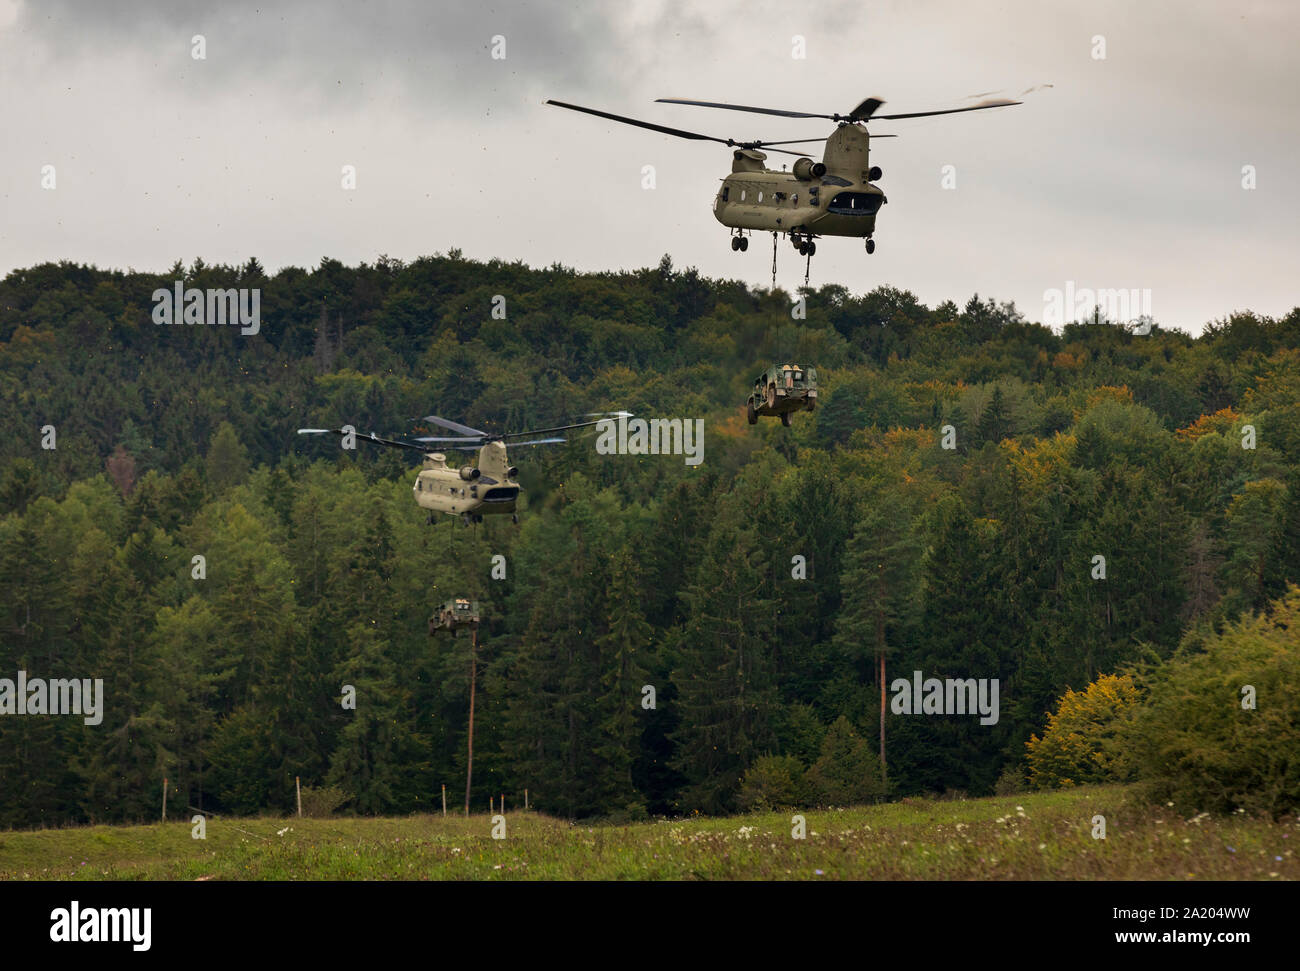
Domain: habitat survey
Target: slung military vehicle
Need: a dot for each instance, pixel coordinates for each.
(455, 615)
(782, 390)
(491, 488)
(833, 197)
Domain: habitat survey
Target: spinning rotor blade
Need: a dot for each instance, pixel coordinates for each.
(538, 441)
(863, 112)
(995, 103)
(561, 428)
(695, 136)
(678, 132)
(760, 111)
(372, 437)
(461, 439)
(455, 426)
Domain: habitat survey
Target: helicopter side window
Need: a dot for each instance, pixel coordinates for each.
(760, 196)
(742, 195)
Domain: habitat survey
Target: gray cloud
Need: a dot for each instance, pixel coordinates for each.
(1120, 172)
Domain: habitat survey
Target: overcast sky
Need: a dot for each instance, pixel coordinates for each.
(1126, 172)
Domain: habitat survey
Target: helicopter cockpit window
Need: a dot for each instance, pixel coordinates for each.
(726, 191)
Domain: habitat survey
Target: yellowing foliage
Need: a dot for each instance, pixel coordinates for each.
(1220, 422)
(1076, 747)
(1106, 391)
(1036, 462)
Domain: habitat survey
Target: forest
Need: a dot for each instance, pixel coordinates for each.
(1115, 505)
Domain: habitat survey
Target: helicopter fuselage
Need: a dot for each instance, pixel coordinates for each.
(833, 198)
(490, 489)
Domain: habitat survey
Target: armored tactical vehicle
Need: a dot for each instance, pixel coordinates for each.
(454, 615)
(781, 390)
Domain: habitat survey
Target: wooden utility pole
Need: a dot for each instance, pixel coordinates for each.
(884, 776)
(880, 652)
(164, 819)
(444, 799)
(525, 798)
(473, 672)
(297, 783)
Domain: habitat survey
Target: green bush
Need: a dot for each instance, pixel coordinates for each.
(322, 801)
(772, 782)
(847, 773)
(1195, 744)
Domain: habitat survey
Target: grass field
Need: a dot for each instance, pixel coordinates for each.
(1038, 836)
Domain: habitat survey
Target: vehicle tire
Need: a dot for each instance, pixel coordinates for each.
(871, 246)
(744, 243)
(750, 414)
(785, 419)
(771, 396)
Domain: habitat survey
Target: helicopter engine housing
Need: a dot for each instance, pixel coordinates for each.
(805, 169)
(469, 473)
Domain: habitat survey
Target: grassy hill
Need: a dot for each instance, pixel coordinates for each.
(1027, 837)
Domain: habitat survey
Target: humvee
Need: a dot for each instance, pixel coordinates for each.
(453, 615)
(781, 390)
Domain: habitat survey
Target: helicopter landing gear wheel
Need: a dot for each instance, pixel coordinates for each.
(871, 246)
(744, 244)
(735, 244)
(803, 249)
(812, 248)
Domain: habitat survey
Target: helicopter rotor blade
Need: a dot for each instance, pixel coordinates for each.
(460, 439)
(454, 426)
(539, 441)
(794, 141)
(863, 112)
(995, 103)
(371, 437)
(561, 428)
(866, 109)
(759, 111)
(678, 132)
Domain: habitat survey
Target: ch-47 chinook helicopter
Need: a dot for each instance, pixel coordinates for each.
(491, 488)
(833, 197)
